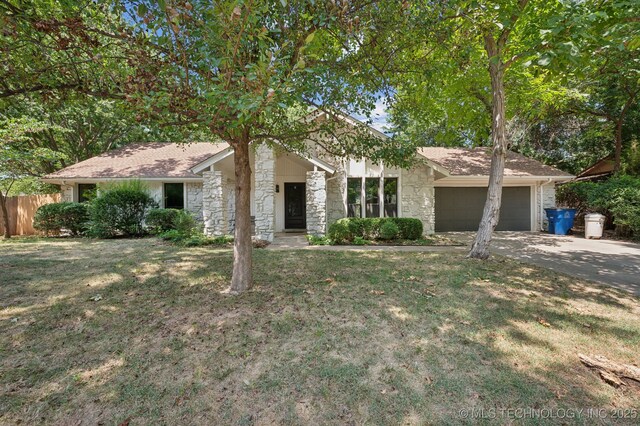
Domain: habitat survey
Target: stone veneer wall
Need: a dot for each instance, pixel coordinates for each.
(337, 195)
(316, 195)
(418, 196)
(214, 205)
(67, 193)
(194, 199)
(548, 200)
(265, 201)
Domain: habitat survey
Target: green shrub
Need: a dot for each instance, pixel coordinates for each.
(55, 217)
(619, 196)
(339, 232)
(185, 223)
(120, 210)
(161, 220)
(195, 239)
(371, 228)
(408, 228)
(318, 241)
(388, 230)
(359, 241)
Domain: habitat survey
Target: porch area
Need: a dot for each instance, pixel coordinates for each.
(288, 193)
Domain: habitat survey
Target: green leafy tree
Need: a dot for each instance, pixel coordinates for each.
(56, 46)
(249, 71)
(82, 126)
(473, 57)
(17, 159)
(477, 70)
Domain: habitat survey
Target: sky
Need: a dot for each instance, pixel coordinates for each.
(379, 116)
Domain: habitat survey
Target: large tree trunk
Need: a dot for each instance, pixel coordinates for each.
(5, 216)
(491, 213)
(242, 262)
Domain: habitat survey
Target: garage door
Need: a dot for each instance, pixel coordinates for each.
(460, 209)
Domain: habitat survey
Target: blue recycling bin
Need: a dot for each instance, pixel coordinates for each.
(560, 220)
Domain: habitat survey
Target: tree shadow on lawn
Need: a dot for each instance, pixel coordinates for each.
(324, 337)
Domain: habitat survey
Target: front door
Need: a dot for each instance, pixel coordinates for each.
(295, 212)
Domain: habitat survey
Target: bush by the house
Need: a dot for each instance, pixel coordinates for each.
(185, 223)
(161, 220)
(386, 228)
(618, 196)
(55, 217)
(120, 210)
(315, 240)
(195, 239)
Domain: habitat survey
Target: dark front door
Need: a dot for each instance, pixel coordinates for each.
(295, 213)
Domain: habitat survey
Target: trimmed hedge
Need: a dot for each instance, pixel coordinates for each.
(56, 217)
(373, 228)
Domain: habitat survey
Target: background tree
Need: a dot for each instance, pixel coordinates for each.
(82, 126)
(17, 159)
(472, 58)
(51, 47)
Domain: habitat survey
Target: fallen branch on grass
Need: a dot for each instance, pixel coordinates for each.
(612, 373)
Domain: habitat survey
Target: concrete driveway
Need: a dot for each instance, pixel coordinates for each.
(614, 263)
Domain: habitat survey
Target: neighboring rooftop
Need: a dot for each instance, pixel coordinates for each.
(601, 169)
(144, 160)
(477, 162)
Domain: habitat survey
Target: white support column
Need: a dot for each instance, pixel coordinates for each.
(214, 204)
(265, 182)
(316, 189)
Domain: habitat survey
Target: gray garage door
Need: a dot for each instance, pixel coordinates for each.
(460, 209)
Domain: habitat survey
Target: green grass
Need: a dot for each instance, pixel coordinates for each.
(323, 338)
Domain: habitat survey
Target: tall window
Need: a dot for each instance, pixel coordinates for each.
(86, 192)
(374, 194)
(354, 197)
(173, 195)
(390, 197)
(372, 197)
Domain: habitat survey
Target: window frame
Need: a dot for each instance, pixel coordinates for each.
(381, 201)
(184, 195)
(79, 192)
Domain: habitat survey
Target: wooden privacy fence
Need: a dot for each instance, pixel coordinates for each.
(21, 211)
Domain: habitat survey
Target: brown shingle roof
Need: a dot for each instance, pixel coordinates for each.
(144, 160)
(477, 162)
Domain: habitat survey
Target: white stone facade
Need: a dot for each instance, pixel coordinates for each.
(546, 198)
(417, 196)
(214, 204)
(67, 193)
(316, 196)
(193, 201)
(264, 193)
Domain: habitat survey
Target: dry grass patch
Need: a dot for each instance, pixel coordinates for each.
(323, 338)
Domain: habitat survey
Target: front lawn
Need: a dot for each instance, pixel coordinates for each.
(97, 332)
